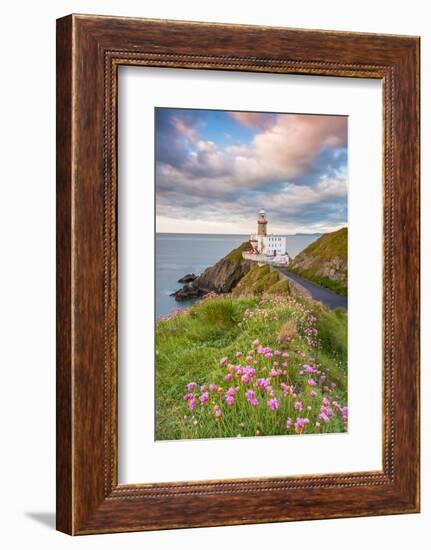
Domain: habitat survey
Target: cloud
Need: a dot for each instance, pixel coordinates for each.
(288, 149)
(184, 128)
(284, 151)
(263, 121)
(295, 166)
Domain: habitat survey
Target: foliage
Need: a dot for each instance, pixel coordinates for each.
(235, 256)
(223, 370)
(329, 245)
(258, 280)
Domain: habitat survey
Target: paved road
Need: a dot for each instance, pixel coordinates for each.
(317, 292)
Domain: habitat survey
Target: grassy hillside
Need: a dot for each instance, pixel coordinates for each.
(325, 261)
(245, 366)
(329, 246)
(235, 255)
(258, 280)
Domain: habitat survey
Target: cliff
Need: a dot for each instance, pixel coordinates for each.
(325, 261)
(220, 278)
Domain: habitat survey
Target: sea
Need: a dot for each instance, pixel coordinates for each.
(180, 253)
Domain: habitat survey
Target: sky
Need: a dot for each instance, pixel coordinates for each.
(216, 169)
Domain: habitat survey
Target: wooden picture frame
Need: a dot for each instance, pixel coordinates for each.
(89, 52)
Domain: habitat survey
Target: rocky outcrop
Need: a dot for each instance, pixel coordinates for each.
(188, 278)
(219, 278)
(333, 268)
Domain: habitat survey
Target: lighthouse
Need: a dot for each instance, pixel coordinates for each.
(269, 245)
(261, 224)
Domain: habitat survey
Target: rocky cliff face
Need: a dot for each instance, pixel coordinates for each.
(220, 278)
(325, 261)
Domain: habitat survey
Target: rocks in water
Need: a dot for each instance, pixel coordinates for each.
(189, 291)
(188, 278)
(219, 278)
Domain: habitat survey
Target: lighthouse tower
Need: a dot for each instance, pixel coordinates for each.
(261, 224)
(261, 231)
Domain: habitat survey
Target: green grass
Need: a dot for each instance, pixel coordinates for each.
(327, 247)
(330, 245)
(281, 287)
(189, 347)
(256, 281)
(235, 256)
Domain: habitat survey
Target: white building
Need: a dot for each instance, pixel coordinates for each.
(268, 245)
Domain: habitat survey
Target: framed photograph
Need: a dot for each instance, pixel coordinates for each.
(237, 274)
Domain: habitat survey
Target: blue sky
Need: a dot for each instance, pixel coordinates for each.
(216, 169)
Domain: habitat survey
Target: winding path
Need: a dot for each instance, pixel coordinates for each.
(319, 293)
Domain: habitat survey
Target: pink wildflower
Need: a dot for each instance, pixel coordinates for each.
(287, 390)
(223, 361)
(273, 404)
(255, 343)
(228, 377)
(313, 393)
(217, 412)
(213, 387)
(298, 406)
(312, 382)
(262, 383)
(300, 424)
(187, 396)
(203, 398)
(275, 372)
(191, 386)
(285, 355)
(238, 354)
(308, 369)
(288, 423)
(230, 400)
(191, 403)
(251, 398)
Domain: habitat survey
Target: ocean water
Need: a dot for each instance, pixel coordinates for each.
(179, 253)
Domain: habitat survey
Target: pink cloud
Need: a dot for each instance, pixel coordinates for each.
(184, 129)
(288, 149)
(285, 150)
(263, 121)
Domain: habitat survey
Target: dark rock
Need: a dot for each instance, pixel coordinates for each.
(188, 291)
(188, 278)
(223, 276)
(220, 278)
